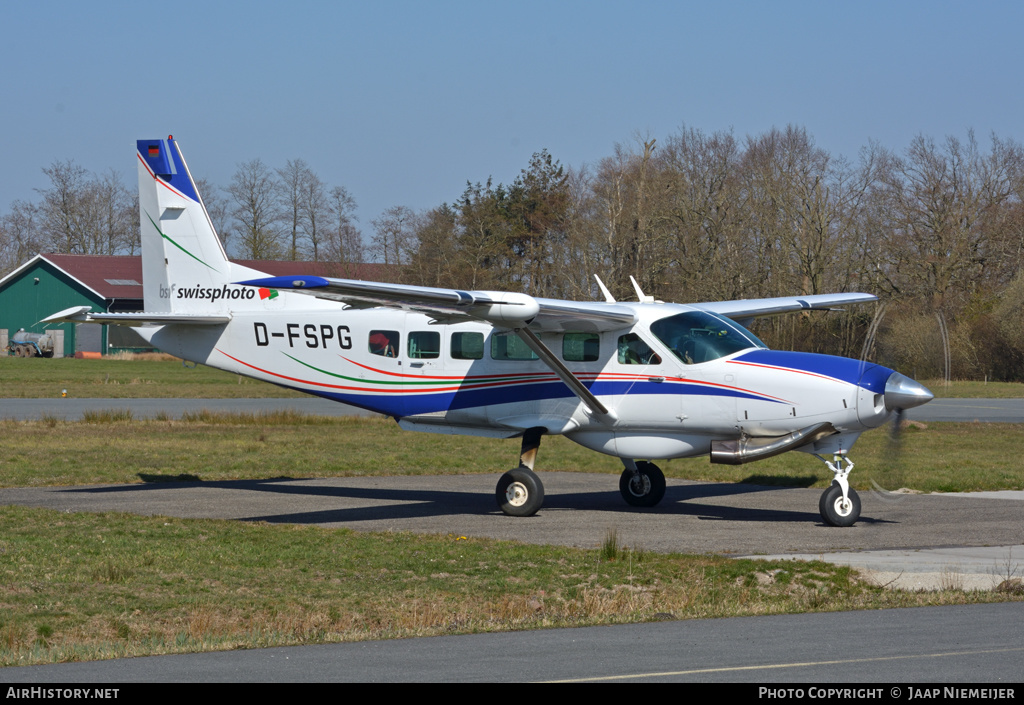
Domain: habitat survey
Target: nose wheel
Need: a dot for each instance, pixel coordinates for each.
(838, 510)
(839, 504)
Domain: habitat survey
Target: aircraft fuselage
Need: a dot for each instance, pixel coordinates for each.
(472, 378)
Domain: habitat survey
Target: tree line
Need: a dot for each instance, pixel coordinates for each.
(936, 230)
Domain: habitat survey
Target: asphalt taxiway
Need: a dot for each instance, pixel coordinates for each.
(910, 535)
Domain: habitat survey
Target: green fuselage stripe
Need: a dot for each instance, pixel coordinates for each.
(170, 240)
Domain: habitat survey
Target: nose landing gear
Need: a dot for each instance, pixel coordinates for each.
(839, 504)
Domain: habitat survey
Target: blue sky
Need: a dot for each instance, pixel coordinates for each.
(403, 102)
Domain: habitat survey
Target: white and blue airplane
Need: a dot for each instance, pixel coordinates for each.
(639, 380)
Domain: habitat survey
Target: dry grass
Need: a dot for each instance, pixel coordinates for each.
(87, 586)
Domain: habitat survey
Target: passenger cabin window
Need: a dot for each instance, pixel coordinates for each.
(699, 336)
(509, 346)
(424, 345)
(467, 346)
(634, 351)
(581, 347)
(384, 343)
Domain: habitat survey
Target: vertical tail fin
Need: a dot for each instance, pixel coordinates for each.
(180, 248)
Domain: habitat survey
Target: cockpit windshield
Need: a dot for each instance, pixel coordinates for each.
(699, 336)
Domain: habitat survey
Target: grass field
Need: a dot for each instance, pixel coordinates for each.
(40, 378)
(86, 586)
(112, 447)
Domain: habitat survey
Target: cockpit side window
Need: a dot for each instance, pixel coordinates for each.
(699, 336)
(634, 351)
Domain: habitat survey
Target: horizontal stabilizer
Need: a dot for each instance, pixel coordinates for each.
(82, 314)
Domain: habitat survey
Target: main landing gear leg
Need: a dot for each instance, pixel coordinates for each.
(839, 504)
(642, 484)
(520, 492)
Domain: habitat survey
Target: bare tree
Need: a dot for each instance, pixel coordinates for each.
(20, 236)
(342, 240)
(630, 190)
(63, 216)
(707, 217)
(950, 211)
(292, 181)
(116, 220)
(316, 213)
(217, 207)
(254, 195)
(393, 236)
(84, 214)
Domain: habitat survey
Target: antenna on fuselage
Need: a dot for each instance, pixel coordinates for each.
(604, 290)
(640, 295)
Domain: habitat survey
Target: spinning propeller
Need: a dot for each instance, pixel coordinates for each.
(901, 392)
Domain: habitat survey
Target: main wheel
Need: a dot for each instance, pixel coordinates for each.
(835, 511)
(520, 492)
(645, 488)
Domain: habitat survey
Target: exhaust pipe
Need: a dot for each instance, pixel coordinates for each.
(746, 450)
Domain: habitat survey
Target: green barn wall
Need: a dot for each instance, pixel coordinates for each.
(24, 302)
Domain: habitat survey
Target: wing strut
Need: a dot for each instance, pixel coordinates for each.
(570, 380)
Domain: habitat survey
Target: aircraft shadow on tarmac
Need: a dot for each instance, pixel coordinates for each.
(415, 503)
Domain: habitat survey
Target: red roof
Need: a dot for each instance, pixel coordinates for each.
(120, 276)
(110, 276)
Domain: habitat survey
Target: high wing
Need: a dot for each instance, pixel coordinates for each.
(499, 308)
(525, 314)
(747, 309)
(521, 313)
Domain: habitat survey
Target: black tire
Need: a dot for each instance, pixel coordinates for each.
(832, 509)
(520, 493)
(646, 488)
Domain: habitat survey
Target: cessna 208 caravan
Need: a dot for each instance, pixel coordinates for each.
(640, 380)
